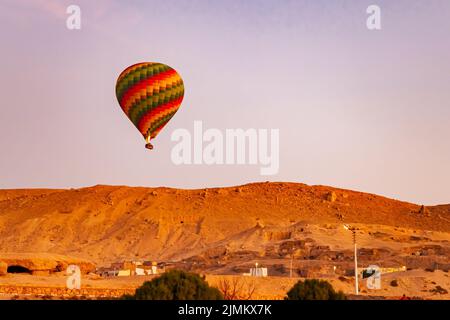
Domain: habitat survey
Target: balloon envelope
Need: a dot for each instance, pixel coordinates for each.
(150, 94)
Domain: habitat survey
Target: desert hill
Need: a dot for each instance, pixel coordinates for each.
(108, 223)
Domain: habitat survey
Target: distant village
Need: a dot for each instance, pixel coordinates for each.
(132, 268)
(147, 268)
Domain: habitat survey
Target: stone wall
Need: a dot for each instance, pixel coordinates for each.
(64, 292)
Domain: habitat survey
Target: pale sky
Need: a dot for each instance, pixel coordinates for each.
(357, 109)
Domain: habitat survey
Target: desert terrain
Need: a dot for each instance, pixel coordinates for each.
(294, 230)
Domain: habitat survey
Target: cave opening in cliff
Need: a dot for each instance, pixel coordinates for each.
(18, 269)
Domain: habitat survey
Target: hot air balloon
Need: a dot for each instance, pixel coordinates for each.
(150, 94)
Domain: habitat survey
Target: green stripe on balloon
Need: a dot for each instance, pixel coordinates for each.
(141, 73)
(158, 123)
(153, 102)
(139, 104)
(150, 102)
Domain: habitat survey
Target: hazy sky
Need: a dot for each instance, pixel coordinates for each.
(357, 109)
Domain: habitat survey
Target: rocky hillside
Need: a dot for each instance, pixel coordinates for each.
(107, 223)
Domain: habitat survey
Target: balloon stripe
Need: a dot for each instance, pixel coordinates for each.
(138, 73)
(154, 101)
(141, 95)
(126, 78)
(144, 87)
(151, 88)
(150, 118)
(156, 131)
(145, 78)
(146, 121)
(157, 126)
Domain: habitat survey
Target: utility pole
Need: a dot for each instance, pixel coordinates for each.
(356, 263)
(353, 230)
(292, 258)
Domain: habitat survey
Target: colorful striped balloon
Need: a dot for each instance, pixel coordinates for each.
(150, 94)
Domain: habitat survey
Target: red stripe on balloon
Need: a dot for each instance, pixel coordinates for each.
(141, 85)
(152, 114)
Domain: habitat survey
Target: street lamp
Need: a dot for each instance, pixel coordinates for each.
(353, 230)
(292, 259)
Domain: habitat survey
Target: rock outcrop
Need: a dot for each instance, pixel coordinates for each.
(41, 263)
(3, 268)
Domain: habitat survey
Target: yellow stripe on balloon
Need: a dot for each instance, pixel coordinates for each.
(158, 115)
(132, 69)
(149, 90)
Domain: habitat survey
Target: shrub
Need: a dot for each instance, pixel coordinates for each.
(176, 285)
(439, 290)
(314, 290)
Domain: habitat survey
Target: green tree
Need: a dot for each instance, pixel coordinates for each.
(176, 285)
(313, 289)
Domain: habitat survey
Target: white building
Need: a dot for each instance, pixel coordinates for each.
(258, 272)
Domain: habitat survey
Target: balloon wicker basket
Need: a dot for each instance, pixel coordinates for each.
(149, 146)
